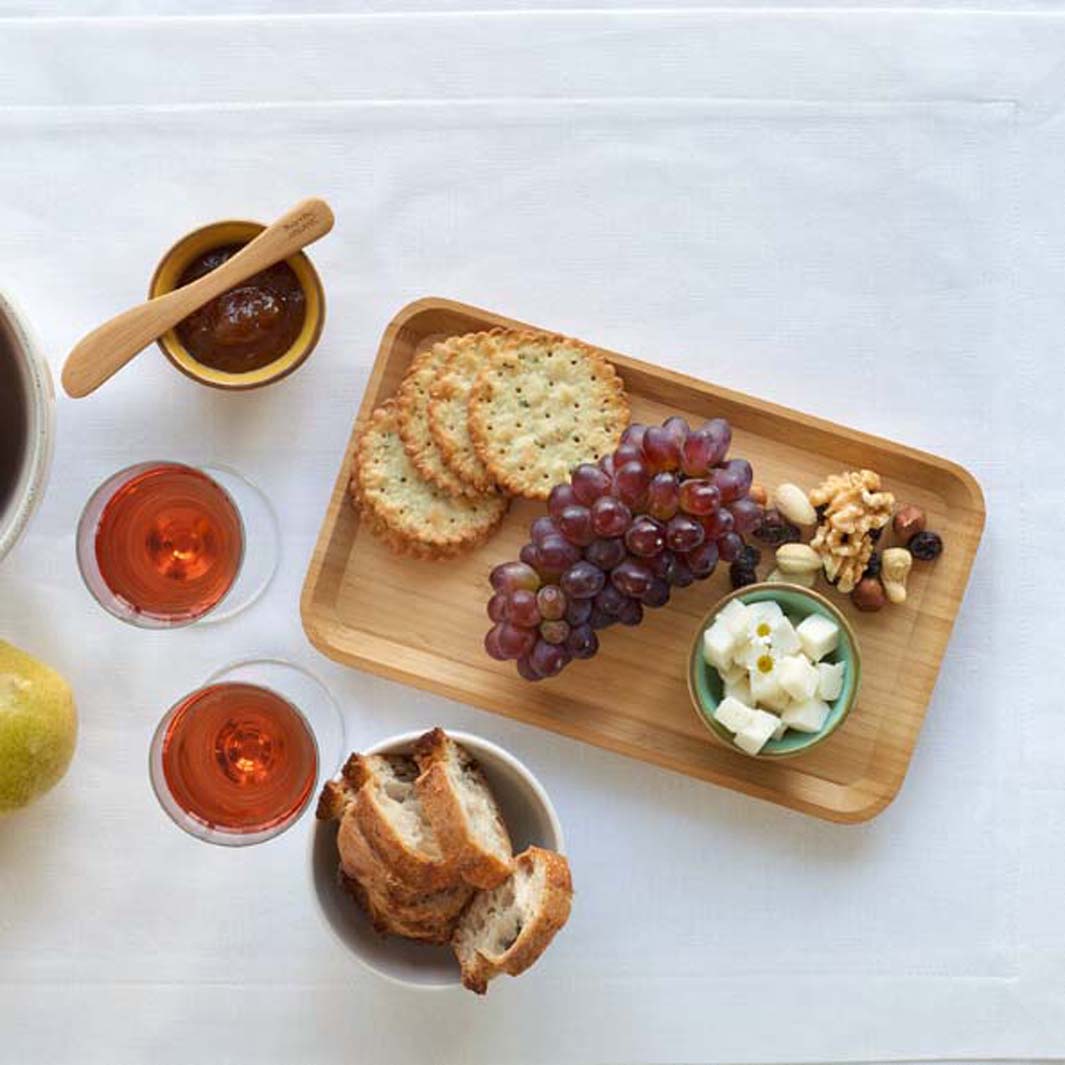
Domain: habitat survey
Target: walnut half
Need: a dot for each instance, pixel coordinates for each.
(854, 509)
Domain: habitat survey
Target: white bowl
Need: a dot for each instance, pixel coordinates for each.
(38, 403)
(529, 816)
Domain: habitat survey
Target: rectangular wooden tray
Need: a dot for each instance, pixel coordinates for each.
(422, 623)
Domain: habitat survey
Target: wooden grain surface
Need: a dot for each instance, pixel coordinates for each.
(423, 623)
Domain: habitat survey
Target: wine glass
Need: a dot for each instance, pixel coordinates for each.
(239, 760)
(163, 544)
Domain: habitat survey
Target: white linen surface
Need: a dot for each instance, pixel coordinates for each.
(854, 214)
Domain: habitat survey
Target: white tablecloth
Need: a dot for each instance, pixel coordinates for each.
(856, 214)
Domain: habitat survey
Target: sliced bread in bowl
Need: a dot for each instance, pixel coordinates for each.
(506, 929)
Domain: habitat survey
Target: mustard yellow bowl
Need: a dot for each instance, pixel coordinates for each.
(217, 235)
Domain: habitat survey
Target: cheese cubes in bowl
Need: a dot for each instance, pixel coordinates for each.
(774, 670)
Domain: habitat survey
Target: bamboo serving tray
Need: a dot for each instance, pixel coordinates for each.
(423, 623)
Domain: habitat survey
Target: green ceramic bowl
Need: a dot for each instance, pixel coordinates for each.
(706, 686)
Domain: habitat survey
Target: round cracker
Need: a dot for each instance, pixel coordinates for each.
(542, 405)
(412, 515)
(449, 398)
(412, 405)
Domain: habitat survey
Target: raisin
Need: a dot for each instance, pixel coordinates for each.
(774, 529)
(927, 546)
(749, 557)
(875, 534)
(873, 567)
(741, 575)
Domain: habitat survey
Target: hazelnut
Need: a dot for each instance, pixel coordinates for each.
(869, 594)
(909, 521)
(758, 493)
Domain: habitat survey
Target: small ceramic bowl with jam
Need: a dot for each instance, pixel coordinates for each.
(257, 332)
(774, 670)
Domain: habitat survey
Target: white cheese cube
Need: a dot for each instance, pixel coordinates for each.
(747, 654)
(718, 645)
(737, 616)
(819, 636)
(778, 732)
(764, 682)
(757, 732)
(733, 714)
(765, 688)
(733, 675)
(807, 716)
(740, 689)
(767, 610)
(778, 701)
(797, 677)
(830, 680)
(783, 637)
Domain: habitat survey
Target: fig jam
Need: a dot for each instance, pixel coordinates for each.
(249, 326)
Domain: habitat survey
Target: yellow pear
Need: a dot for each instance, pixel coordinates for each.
(38, 727)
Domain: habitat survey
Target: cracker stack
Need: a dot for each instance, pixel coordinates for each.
(413, 515)
(424, 850)
(477, 418)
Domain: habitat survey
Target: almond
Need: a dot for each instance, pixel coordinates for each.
(791, 501)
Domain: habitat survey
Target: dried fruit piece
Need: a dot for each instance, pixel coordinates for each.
(749, 556)
(774, 529)
(741, 575)
(926, 546)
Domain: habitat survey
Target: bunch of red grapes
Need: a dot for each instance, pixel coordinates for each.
(655, 515)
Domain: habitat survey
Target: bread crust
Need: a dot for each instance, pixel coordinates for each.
(552, 911)
(424, 870)
(387, 922)
(542, 404)
(391, 895)
(444, 808)
(333, 801)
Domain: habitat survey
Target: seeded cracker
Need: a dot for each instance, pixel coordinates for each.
(449, 421)
(541, 406)
(412, 405)
(410, 514)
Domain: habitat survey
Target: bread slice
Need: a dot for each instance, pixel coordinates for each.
(390, 895)
(388, 921)
(506, 929)
(462, 810)
(393, 822)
